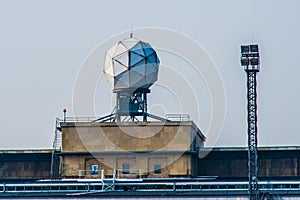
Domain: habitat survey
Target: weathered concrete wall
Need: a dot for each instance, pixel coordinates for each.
(16, 165)
(96, 137)
(233, 163)
(222, 162)
(172, 164)
(140, 145)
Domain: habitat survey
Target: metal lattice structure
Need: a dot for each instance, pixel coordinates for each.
(250, 62)
(252, 134)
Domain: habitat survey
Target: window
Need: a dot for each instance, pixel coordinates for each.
(126, 168)
(157, 169)
(94, 169)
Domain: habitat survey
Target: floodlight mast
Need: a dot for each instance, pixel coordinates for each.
(250, 60)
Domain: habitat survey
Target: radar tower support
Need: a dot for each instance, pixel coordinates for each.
(131, 103)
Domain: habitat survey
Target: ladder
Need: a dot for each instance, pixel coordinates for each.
(56, 148)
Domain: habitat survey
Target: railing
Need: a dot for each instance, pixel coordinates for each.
(89, 173)
(83, 186)
(50, 187)
(131, 174)
(178, 117)
(171, 117)
(78, 119)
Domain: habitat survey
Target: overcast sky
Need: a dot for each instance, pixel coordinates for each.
(44, 43)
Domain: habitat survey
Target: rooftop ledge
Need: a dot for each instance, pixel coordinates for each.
(149, 123)
(21, 151)
(89, 122)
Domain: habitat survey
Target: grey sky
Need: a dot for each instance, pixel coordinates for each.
(43, 44)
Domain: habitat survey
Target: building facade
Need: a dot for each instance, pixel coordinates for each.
(25, 164)
(130, 149)
(221, 162)
(232, 162)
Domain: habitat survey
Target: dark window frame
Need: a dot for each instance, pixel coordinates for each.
(157, 168)
(126, 168)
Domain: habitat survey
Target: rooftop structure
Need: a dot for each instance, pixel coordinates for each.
(130, 149)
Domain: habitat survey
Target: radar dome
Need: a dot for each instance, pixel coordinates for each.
(131, 64)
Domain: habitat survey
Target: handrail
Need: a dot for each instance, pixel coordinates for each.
(83, 173)
(178, 117)
(78, 119)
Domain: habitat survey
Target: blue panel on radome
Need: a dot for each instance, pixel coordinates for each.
(152, 58)
(147, 49)
(151, 78)
(150, 68)
(123, 78)
(120, 84)
(139, 68)
(134, 58)
(134, 78)
(142, 62)
(138, 49)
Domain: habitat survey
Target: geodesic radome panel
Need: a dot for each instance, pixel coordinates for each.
(131, 64)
